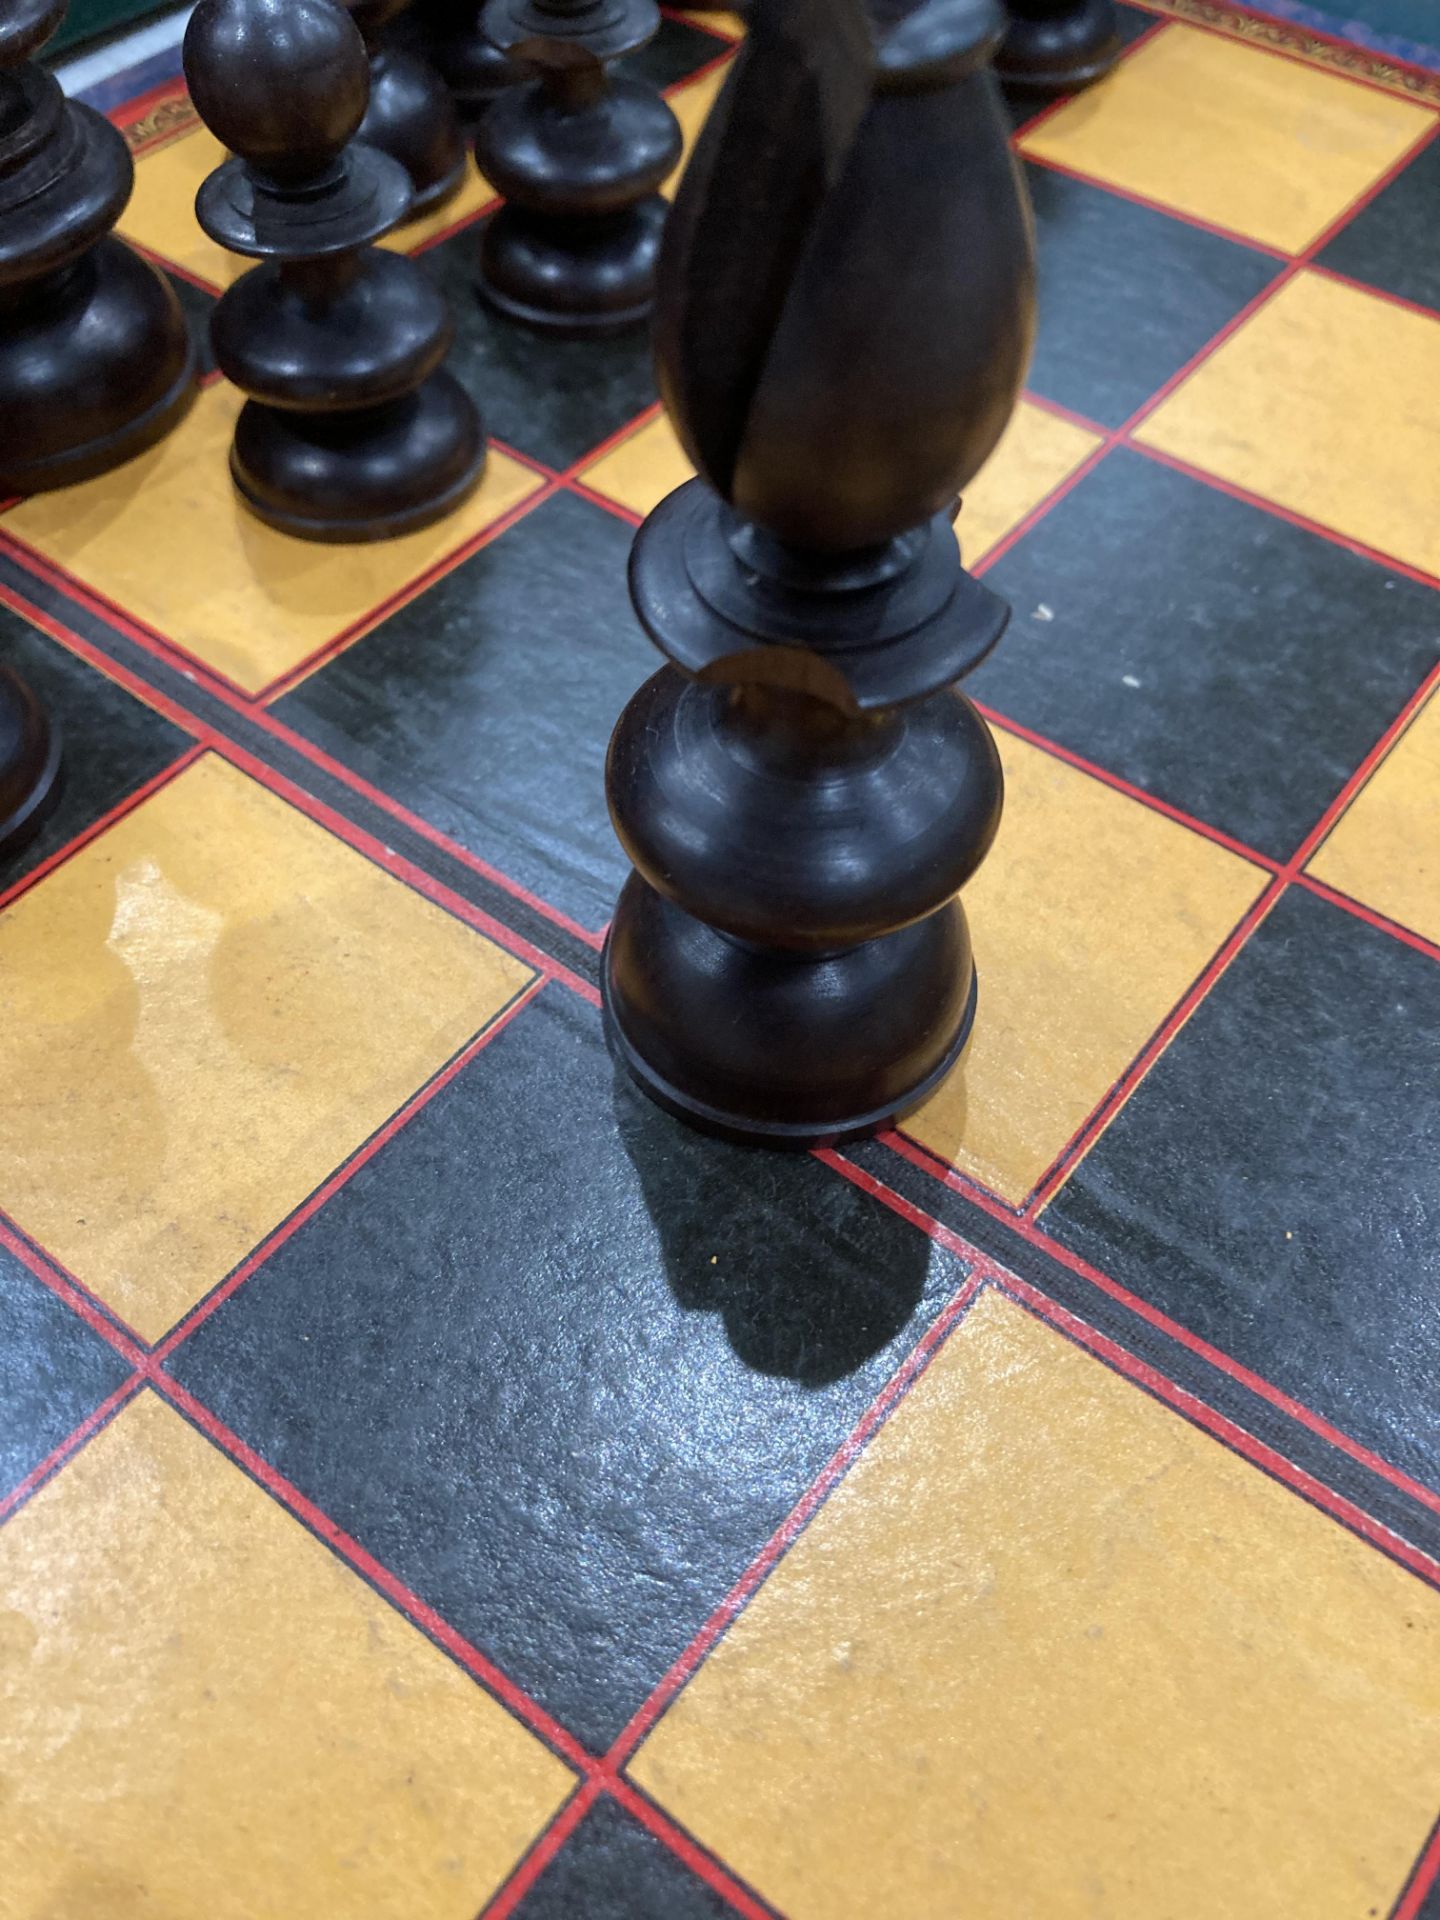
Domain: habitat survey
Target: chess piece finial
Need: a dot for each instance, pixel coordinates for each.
(29, 764)
(844, 318)
(579, 155)
(95, 359)
(353, 429)
(411, 115)
(1057, 46)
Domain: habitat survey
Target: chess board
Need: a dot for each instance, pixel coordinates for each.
(435, 1483)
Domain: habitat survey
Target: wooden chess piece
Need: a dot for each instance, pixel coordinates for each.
(448, 34)
(411, 115)
(29, 764)
(844, 317)
(1057, 46)
(353, 429)
(95, 359)
(579, 156)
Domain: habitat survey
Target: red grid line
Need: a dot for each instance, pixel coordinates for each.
(1277, 511)
(1090, 1132)
(1148, 201)
(392, 603)
(1297, 58)
(1036, 1236)
(824, 1483)
(414, 877)
(1382, 922)
(9, 895)
(1219, 1425)
(87, 1306)
(278, 730)
(542, 1851)
(197, 1315)
(1106, 778)
(70, 1445)
(701, 1862)
(1424, 1877)
(496, 1682)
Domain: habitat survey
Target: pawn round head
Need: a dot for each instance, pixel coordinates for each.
(282, 83)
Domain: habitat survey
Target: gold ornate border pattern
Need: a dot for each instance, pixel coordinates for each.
(1303, 43)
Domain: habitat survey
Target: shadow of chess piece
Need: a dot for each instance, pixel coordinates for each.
(448, 34)
(1057, 46)
(844, 318)
(793, 1311)
(29, 764)
(411, 115)
(579, 156)
(353, 429)
(95, 359)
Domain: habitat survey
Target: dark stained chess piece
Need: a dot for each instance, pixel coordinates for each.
(353, 430)
(411, 115)
(579, 155)
(844, 318)
(29, 764)
(448, 34)
(95, 359)
(1057, 46)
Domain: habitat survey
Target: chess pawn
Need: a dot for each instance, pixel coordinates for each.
(29, 764)
(353, 429)
(95, 359)
(411, 115)
(844, 317)
(448, 34)
(1057, 46)
(579, 156)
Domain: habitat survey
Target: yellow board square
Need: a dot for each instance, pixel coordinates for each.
(161, 213)
(1051, 1651)
(1090, 919)
(1265, 146)
(691, 106)
(1327, 402)
(201, 1014)
(1385, 850)
(206, 1712)
(165, 537)
(1038, 451)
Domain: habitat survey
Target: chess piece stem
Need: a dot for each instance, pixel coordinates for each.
(1057, 46)
(29, 764)
(353, 430)
(844, 318)
(410, 116)
(95, 359)
(579, 156)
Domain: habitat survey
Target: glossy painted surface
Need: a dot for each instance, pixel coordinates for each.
(1386, 849)
(238, 1649)
(1300, 1235)
(402, 704)
(167, 538)
(625, 1305)
(1113, 272)
(1211, 128)
(233, 1001)
(1244, 694)
(510, 1387)
(1328, 403)
(1123, 1626)
(1132, 905)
